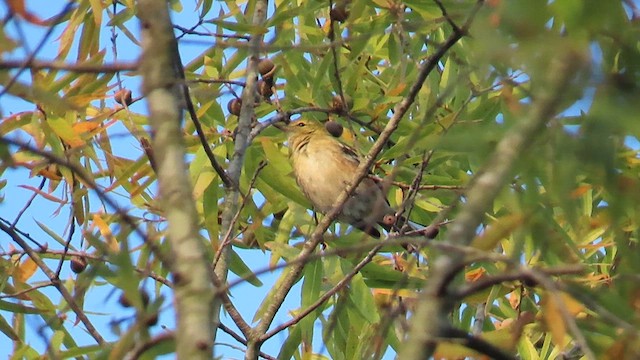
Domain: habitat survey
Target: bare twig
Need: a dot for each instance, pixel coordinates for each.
(216, 81)
(28, 203)
(138, 351)
(48, 253)
(522, 274)
(192, 31)
(18, 295)
(635, 12)
(75, 67)
(39, 47)
(447, 17)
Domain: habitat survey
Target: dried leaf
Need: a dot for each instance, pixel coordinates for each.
(26, 269)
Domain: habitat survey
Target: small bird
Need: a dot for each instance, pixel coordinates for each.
(324, 167)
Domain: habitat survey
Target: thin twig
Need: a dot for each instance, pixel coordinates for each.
(635, 12)
(224, 36)
(157, 340)
(447, 17)
(28, 203)
(224, 176)
(75, 67)
(67, 243)
(48, 253)
(522, 274)
(239, 339)
(322, 299)
(19, 294)
(55, 281)
(216, 81)
(226, 240)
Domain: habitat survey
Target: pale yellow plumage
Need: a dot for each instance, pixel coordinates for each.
(323, 167)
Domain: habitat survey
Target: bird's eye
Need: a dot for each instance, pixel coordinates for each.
(300, 124)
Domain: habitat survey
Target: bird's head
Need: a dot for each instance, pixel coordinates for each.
(303, 127)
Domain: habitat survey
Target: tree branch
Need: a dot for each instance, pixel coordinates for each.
(193, 290)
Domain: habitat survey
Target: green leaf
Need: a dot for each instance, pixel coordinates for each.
(238, 267)
(7, 330)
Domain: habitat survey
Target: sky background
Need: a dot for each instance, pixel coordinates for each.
(100, 299)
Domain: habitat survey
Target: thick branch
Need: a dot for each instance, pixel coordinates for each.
(192, 289)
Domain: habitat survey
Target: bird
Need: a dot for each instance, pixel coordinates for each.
(324, 166)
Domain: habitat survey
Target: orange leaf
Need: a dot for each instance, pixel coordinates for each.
(26, 269)
(515, 299)
(18, 7)
(474, 275)
(397, 90)
(553, 319)
(580, 190)
(51, 172)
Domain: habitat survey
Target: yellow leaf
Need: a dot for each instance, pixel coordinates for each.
(429, 204)
(497, 231)
(552, 314)
(96, 7)
(106, 233)
(84, 126)
(553, 319)
(26, 269)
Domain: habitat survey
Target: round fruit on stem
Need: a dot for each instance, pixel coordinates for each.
(234, 107)
(334, 128)
(78, 264)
